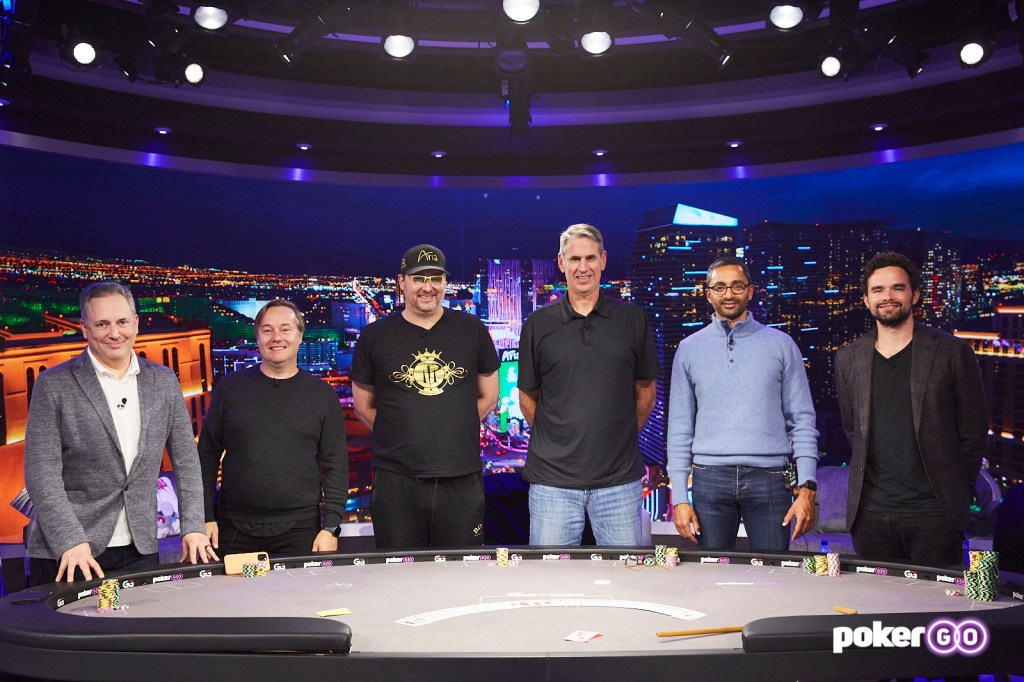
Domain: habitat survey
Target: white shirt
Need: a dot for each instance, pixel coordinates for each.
(123, 398)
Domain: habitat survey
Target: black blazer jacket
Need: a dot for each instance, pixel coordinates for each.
(950, 418)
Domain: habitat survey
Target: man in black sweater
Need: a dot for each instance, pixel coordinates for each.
(282, 434)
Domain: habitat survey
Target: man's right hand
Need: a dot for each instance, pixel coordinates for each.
(684, 516)
(79, 556)
(212, 533)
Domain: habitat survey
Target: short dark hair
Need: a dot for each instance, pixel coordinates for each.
(888, 259)
(300, 322)
(102, 289)
(729, 260)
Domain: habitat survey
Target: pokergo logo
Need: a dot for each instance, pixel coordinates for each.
(943, 637)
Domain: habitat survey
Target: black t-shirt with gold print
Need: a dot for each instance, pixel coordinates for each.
(425, 391)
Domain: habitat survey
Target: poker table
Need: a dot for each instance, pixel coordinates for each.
(556, 613)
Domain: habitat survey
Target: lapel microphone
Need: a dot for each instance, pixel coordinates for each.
(120, 405)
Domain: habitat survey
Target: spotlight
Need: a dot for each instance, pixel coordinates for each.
(304, 146)
(195, 74)
(879, 127)
(162, 130)
(910, 58)
(735, 144)
(704, 38)
(914, 62)
(974, 53)
(831, 66)
(520, 11)
(84, 53)
(211, 17)
(287, 49)
(439, 154)
(78, 48)
(600, 152)
(596, 42)
(399, 41)
(128, 67)
(399, 46)
(786, 16)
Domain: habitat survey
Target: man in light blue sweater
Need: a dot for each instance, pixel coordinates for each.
(740, 408)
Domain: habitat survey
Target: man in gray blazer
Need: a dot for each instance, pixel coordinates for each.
(97, 428)
(913, 407)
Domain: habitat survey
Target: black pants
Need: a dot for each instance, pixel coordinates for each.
(927, 540)
(42, 571)
(410, 512)
(296, 541)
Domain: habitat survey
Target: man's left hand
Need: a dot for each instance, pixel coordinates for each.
(325, 542)
(801, 513)
(197, 546)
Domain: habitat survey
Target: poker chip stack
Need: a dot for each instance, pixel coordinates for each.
(820, 564)
(262, 568)
(672, 556)
(833, 564)
(649, 560)
(982, 576)
(660, 553)
(110, 596)
(503, 557)
(809, 564)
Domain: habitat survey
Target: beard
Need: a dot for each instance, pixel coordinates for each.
(893, 319)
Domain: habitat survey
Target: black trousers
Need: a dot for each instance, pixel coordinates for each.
(926, 540)
(410, 512)
(42, 571)
(296, 541)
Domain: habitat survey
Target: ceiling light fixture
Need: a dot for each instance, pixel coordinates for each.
(195, 74)
(596, 42)
(974, 53)
(879, 127)
(786, 16)
(520, 11)
(162, 130)
(210, 17)
(304, 146)
(734, 144)
(399, 46)
(831, 66)
(439, 154)
(600, 152)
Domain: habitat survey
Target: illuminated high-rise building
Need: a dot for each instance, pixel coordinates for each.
(807, 280)
(511, 289)
(1000, 354)
(674, 246)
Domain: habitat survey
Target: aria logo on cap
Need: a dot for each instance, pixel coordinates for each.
(423, 257)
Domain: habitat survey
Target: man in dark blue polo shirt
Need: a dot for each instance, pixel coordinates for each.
(587, 367)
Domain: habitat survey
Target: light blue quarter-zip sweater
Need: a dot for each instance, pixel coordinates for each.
(740, 397)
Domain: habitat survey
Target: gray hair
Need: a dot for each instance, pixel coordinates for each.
(101, 289)
(580, 230)
(729, 260)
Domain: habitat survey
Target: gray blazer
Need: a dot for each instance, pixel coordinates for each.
(74, 469)
(948, 404)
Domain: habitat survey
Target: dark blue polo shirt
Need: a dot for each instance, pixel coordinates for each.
(584, 431)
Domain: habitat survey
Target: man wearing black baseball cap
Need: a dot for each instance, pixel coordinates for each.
(422, 380)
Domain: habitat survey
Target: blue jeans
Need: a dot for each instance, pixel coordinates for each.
(722, 495)
(557, 515)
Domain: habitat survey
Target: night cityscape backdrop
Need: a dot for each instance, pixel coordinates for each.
(202, 253)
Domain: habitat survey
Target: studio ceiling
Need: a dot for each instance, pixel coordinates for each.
(658, 102)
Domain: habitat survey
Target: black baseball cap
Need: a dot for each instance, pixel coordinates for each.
(422, 257)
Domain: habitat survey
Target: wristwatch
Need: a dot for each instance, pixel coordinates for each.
(810, 485)
(333, 530)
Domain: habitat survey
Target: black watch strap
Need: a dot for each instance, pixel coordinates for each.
(810, 485)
